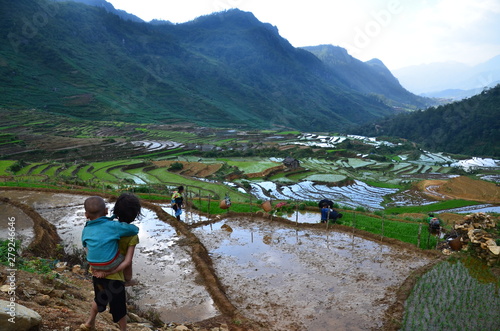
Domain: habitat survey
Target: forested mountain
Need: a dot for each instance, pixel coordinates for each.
(226, 69)
(371, 77)
(470, 126)
(108, 7)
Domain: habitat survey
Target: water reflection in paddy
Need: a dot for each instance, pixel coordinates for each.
(313, 280)
(161, 263)
(14, 218)
(297, 279)
(168, 277)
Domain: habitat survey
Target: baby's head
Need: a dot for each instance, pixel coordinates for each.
(127, 207)
(95, 207)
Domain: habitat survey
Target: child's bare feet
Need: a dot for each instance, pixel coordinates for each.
(132, 282)
(85, 327)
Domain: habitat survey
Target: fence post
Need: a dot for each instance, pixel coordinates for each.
(209, 206)
(354, 222)
(382, 235)
(251, 208)
(419, 233)
(186, 194)
(328, 217)
(296, 213)
(428, 238)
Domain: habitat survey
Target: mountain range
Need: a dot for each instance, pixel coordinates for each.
(227, 69)
(450, 80)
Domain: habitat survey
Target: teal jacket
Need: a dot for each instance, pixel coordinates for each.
(101, 237)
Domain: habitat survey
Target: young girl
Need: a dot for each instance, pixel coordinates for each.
(127, 208)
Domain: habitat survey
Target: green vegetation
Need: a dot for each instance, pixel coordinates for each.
(227, 65)
(214, 209)
(7, 166)
(471, 126)
(9, 255)
(410, 232)
(251, 166)
(442, 205)
(454, 295)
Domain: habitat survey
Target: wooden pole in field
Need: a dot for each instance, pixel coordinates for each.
(382, 236)
(419, 233)
(209, 206)
(296, 213)
(354, 222)
(328, 217)
(428, 238)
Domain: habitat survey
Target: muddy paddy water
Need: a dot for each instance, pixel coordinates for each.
(293, 278)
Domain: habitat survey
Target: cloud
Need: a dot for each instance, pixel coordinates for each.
(398, 32)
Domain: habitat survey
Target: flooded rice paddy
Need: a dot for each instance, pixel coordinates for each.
(293, 278)
(354, 195)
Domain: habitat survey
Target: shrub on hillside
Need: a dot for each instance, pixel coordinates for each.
(176, 166)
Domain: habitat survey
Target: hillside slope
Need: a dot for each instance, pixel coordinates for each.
(470, 126)
(371, 77)
(225, 69)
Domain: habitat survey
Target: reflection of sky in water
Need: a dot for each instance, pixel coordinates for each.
(275, 262)
(153, 232)
(14, 218)
(357, 194)
(166, 270)
(306, 273)
(268, 249)
(188, 216)
(473, 209)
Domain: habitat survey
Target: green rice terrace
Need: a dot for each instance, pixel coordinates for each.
(383, 187)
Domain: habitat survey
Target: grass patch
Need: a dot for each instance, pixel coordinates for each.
(383, 184)
(442, 205)
(213, 208)
(84, 173)
(249, 167)
(4, 166)
(403, 231)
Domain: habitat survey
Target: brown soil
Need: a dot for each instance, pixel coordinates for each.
(70, 295)
(192, 169)
(461, 188)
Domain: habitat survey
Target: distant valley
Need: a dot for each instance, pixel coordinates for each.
(451, 80)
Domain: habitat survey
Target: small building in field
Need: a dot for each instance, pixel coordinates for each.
(291, 163)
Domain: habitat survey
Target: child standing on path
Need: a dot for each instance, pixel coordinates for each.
(100, 237)
(178, 202)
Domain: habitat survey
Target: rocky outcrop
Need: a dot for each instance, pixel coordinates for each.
(474, 236)
(15, 317)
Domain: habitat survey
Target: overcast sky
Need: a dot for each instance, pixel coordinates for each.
(398, 32)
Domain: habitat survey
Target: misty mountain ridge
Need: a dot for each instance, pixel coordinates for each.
(224, 69)
(434, 78)
(368, 77)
